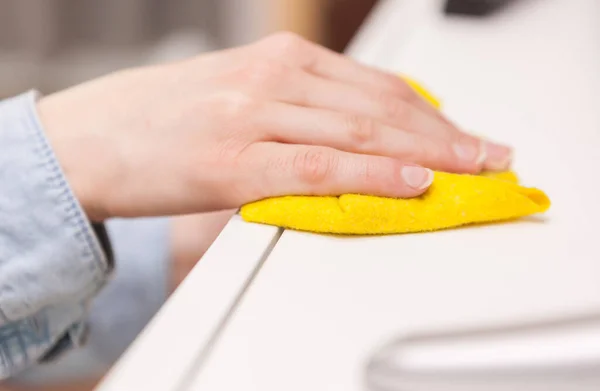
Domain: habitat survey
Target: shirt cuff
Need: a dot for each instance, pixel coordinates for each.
(51, 261)
(122, 310)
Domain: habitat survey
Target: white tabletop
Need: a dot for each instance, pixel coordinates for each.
(311, 315)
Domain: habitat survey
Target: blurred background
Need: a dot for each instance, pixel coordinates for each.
(52, 44)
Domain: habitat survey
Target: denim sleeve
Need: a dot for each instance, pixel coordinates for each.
(138, 289)
(51, 261)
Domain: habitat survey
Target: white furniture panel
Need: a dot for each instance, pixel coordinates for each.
(322, 304)
(310, 317)
(179, 338)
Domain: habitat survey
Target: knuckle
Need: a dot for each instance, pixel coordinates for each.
(233, 104)
(265, 73)
(418, 151)
(361, 130)
(285, 43)
(372, 171)
(393, 107)
(277, 164)
(314, 166)
(433, 155)
(402, 89)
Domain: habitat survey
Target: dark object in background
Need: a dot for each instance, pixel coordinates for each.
(474, 7)
(343, 19)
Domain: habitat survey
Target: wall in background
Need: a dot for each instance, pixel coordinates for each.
(52, 44)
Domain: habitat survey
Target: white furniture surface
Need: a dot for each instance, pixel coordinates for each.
(272, 309)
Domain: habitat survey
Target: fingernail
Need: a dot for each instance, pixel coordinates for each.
(499, 157)
(470, 152)
(417, 177)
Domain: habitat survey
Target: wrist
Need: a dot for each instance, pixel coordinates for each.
(77, 152)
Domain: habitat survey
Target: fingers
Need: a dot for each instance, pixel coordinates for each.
(388, 98)
(352, 133)
(284, 169)
(296, 51)
(391, 109)
(305, 89)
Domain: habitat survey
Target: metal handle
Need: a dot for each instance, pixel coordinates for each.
(552, 355)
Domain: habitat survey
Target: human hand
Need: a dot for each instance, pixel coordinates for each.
(281, 116)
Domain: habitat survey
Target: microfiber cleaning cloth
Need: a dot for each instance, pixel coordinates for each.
(452, 200)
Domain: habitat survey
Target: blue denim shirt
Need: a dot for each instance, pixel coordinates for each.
(57, 287)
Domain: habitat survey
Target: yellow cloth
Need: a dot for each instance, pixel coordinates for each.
(452, 200)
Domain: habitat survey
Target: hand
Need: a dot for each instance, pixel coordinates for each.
(281, 116)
